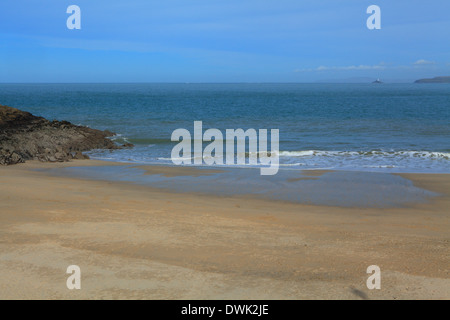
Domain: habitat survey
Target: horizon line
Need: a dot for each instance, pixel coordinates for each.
(213, 82)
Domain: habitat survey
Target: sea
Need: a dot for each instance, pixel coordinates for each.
(352, 127)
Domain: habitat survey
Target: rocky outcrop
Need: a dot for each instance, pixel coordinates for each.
(24, 136)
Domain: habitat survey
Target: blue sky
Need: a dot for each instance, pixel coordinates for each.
(222, 41)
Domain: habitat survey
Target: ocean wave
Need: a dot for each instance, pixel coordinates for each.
(382, 166)
(375, 160)
(318, 153)
(119, 138)
(373, 153)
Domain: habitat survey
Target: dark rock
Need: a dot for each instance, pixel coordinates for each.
(25, 137)
(7, 157)
(128, 145)
(61, 156)
(79, 155)
(16, 158)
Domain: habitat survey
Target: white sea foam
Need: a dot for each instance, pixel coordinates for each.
(297, 153)
(374, 153)
(374, 160)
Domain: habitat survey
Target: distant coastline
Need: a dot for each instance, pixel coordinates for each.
(434, 80)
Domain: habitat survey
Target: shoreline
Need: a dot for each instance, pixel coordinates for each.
(136, 242)
(316, 187)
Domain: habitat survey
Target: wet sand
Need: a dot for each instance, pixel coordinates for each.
(138, 242)
(168, 171)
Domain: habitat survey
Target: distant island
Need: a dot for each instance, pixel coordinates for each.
(378, 81)
(434, 80)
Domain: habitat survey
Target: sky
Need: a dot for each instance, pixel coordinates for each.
(223, 41)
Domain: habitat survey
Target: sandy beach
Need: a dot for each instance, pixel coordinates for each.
(138, 242)
(225, 153)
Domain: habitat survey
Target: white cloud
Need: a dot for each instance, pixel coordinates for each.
(381, 66)
(345, 68)
(423, 62)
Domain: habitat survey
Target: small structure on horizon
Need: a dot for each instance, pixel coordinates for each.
(378, 81)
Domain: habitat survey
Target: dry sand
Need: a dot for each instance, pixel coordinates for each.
(135, 242)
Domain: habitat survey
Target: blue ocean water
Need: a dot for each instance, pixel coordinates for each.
(365, 127)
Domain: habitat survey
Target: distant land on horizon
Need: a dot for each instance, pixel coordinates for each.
(364, 80)
(434, 80)
(441, 79)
